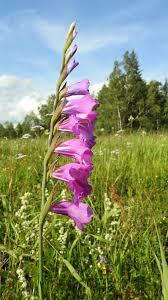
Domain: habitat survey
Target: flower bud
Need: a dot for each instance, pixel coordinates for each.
(67, 70)
(70, 54)
(71, 36)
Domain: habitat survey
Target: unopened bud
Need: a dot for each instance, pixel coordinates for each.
(70, 54)
(71, 36)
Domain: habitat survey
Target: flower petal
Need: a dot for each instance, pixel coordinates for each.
(76, 176)
(81, 214)
(83, 105)
(70, 66)
(79, 88)
(77, 149)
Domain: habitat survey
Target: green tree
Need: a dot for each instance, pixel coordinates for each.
(164, 91)
(30, 121)
(2, 131)
(105, 121)
(135, 90)
(19, 130)
(154, 105)
(117, 96)
(45, 111)
(9, 130)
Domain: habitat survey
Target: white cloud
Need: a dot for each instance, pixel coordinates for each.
(17, 98)
(8, 81)
(53, 35)
(92, 41)
(25, 105)
(96, 87)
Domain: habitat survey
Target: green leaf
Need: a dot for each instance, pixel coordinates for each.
(163, 268)
(72, 247)
(77, 277)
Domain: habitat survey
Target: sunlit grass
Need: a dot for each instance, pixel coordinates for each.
(130, 195)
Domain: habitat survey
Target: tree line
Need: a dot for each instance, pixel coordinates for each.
(127, 102)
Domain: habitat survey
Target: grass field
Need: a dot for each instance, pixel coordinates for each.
(116, 256)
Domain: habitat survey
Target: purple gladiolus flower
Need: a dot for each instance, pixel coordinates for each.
(74, 124)
(71, 65)
(83, 105)
(76, 149)
(89, 117)
(76, 176)
(79, 88)
(77, 118)
(88, 138)
(81, 214)
(71, 53)
(81, 127)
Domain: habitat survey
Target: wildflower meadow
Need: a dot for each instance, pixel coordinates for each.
(83, 214)
(117, 254)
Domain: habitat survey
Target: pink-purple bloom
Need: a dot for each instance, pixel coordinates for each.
(73, 51)
(76, 123)
(81, 127)
(87, 136)
(70, 66)
(76, 176)
(76, 149)
(79, 88)
(78, 119)
(82, 105)
(81, 214)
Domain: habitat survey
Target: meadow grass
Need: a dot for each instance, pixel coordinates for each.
(115, 257)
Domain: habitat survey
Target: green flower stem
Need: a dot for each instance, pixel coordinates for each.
(46, 205)
(53, 138)
(44, 212)
(56, 101)
(40, 283)
(44, 183)
(54, 108)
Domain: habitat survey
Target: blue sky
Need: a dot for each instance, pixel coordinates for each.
(32, 34)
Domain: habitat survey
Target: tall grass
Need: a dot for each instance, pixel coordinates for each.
(113, 258)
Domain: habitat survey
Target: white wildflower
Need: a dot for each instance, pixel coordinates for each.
(107, 202)
(115, 152)
(20, 156)
(26, 136)
(33, 128)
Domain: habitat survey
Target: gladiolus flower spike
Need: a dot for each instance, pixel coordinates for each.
(78, 117)
(73, 112)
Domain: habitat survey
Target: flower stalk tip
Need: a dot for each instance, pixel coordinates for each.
(73, 112)
(71, 36)
(71, 28)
